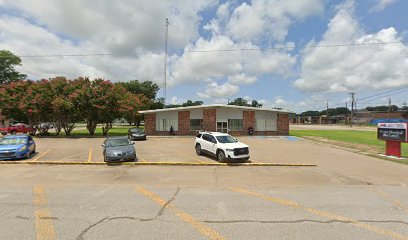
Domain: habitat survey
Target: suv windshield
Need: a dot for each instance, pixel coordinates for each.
(226, 139)
(118, 142)
(13, 141)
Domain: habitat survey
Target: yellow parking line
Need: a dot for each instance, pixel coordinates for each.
(90, 155)
(185, 217)
(387, 197)
(35, 159)
(325, 214)
(43, 217)
(140, 157)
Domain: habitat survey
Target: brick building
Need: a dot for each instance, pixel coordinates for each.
(234, 120)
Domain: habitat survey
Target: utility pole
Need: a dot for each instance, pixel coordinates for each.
(165, 62)
(389, 107)
(352, 109)
(327, 111)
(346, 114)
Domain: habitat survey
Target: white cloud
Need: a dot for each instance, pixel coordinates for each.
(118, 25)
(381, 5)
(242, 79)
(354, 68)
(241, 67)
(270, 19)
(176, 100)
(213, 90)
(83, 27)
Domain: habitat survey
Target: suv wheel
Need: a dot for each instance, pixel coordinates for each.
(198, 149)
(221, 156)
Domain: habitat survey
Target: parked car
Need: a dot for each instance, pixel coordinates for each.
(16, 147)
(136, 134)
(222, 146)
(17, 128)
(118, 149)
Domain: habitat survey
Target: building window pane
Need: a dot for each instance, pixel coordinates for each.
(265, 125)
(196, 124)
(235, 124)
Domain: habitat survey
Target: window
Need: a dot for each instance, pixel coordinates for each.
(164, 124)
(196, 124)
(265, 124)
(235, 125)
(198, 135)
(206, 137)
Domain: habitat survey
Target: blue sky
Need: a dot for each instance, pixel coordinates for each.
(284, 71)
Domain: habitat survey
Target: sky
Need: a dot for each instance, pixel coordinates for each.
(294, 54)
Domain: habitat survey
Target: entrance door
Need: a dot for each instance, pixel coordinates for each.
(222, 127)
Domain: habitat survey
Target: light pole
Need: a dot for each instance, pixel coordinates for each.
(165, 62)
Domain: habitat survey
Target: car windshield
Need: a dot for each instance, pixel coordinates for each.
(118, 142)
(136, 130)
(226, 139)
(13, 141)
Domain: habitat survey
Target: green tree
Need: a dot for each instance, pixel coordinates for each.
(239, 102)
(147, 88)
(7, 72)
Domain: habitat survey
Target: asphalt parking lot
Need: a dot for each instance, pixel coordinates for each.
(160, 149)
(345, 195)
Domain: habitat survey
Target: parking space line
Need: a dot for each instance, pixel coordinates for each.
(90, 155)
(35, 159)
(43, 217)
(388, 198)
(185, 217)
(140, 157)
(325, 214)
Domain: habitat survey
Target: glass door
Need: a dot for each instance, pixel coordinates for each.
(222, 127)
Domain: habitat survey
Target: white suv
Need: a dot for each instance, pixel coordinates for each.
(222, 146)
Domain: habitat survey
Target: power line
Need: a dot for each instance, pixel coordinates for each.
(210, 50)
(378, 94)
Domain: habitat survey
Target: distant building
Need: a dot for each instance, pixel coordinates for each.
(235, 120)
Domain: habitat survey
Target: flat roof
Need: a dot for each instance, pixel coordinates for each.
(216, 106)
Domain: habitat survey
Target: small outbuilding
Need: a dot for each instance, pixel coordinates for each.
(235, 120)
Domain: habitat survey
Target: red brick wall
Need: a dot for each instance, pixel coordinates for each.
(283, 124)
(248, 120)
(150, 123)
(184, 123)
(209, 119)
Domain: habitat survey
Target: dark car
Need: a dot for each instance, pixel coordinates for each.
(118, 149)
(16, 147)
(136, 134)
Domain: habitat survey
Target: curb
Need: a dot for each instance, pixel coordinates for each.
(158, 164)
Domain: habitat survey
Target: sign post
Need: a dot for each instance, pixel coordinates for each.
(394, 134)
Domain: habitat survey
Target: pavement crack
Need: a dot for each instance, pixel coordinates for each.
(161, 211)
(81, 235)
(302, 221)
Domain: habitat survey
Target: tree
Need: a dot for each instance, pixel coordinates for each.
(131, 104)
(239, 102)
(147, 88)
(256, 104)
(65, 113)
(189, 103)
(7, 72)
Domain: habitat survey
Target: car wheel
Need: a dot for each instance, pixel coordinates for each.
(221, 156)
(34, 149)
(3, 133)
(28, 155)
(13, 132)
(198, 149)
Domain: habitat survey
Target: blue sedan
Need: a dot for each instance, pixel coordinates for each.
(16, 147)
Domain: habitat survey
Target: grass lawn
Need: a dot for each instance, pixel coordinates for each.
(359, 138)
(115, 131)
